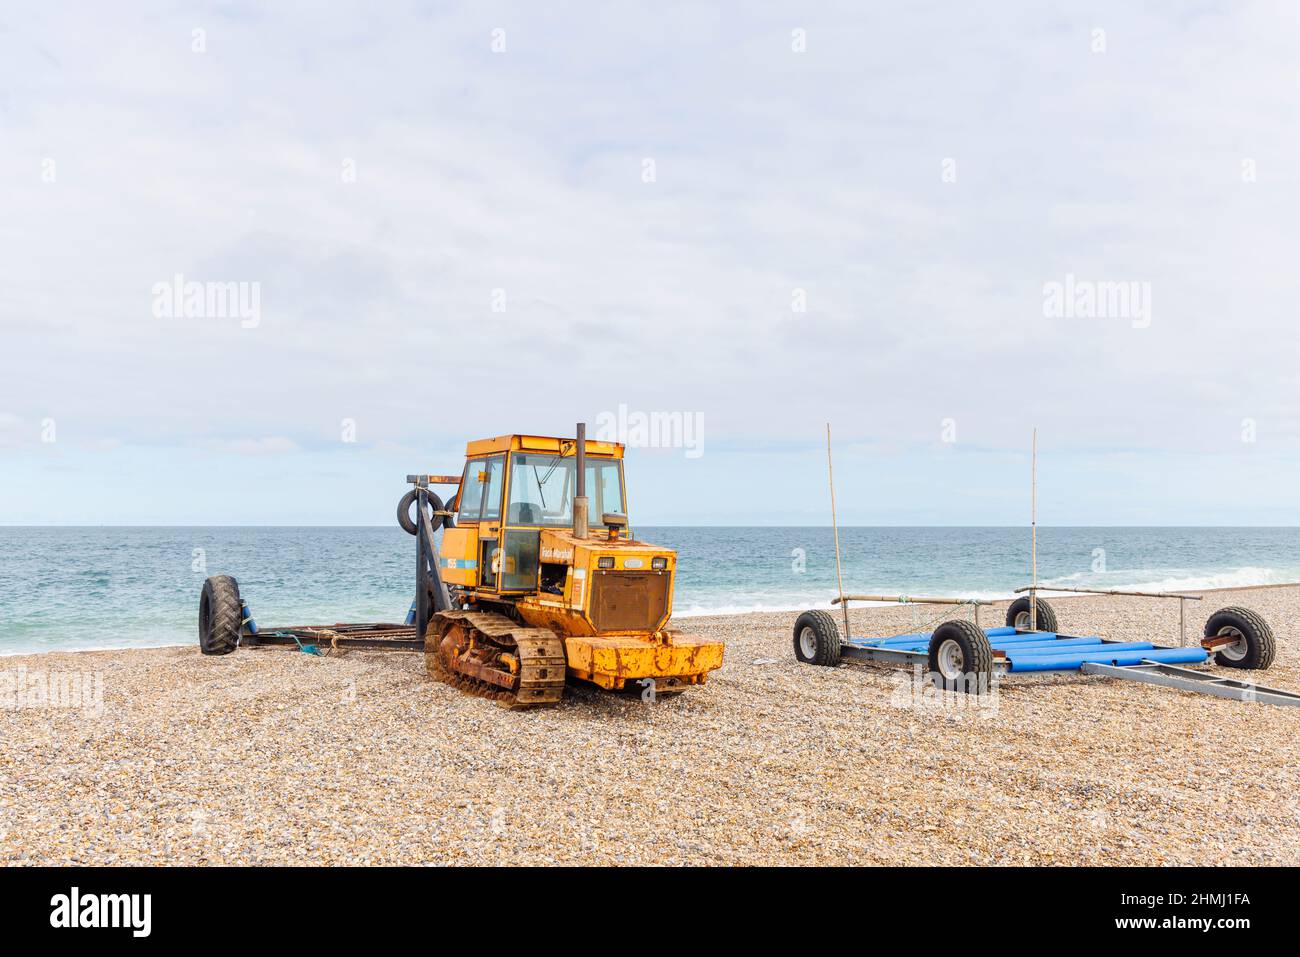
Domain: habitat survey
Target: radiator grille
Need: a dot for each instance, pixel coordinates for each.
(629, 601)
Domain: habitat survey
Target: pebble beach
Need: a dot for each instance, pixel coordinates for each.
(269, 756)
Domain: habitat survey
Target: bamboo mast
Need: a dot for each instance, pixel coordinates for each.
(1111, 591)
(912, 600)
(839, 569)
(1033, 534)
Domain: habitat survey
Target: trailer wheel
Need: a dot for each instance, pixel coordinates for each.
(221, 615)
(817, 639)
(961, 658)
(1254, 648)
(406, 514)
(1018, 615)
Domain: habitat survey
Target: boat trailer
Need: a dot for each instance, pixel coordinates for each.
(421, 512)
(961, 656)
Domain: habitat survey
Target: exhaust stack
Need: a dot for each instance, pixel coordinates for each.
(580, 486)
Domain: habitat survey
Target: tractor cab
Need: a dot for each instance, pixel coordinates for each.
(513, 489)
(538, 487)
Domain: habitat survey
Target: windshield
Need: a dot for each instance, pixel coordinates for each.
(480, 490)
(542, 489)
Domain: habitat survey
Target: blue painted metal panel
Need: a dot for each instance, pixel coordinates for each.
(891, 642)
(997, 638)
(1028, 646)
(1000, 644)
(1021, 638)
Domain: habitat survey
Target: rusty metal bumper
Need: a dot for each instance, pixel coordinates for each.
(612, 661)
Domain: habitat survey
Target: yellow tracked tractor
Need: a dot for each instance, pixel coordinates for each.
(538, 578)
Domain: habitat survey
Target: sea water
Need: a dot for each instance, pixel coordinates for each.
(64, 588)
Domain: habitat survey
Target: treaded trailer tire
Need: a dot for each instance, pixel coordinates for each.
(1255, 647)
(817, 639)
(961, 658)
(406, 514)
(1018, 615)
(221, 615)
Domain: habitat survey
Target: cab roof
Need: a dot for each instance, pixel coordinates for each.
(540, 443)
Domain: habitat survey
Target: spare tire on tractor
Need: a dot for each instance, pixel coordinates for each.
(221, 616)
(1018, 615)
(1254, 646)
(817, 639)
(961, 658)
(407, 518)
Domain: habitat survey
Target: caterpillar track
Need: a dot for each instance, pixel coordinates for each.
(488, 655)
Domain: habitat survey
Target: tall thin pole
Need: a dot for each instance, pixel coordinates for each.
(839, 569)
(1033, 535)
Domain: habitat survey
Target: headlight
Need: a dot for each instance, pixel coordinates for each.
(659, 563)
(606, 561)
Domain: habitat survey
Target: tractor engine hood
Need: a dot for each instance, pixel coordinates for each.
(562, 547)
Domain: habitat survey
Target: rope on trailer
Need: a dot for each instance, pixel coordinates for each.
(333, 637)
(305, 649)
(927, 625)
(308, 648)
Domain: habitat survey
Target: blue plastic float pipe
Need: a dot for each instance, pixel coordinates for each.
(1110, 655)
(1026, 647)
(997, 637)
(1051, 652)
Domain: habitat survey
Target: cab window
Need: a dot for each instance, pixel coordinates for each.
(480, 489)
(542, 489)
(605, 490)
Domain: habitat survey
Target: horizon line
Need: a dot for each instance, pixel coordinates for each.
(645, 525)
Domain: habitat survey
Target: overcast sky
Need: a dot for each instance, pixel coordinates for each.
(517, 216)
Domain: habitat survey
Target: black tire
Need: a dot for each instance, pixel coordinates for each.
(1046, 614)
(1260, 648)
(406, 514)
(221, 616)
(821, 644)
(973, 672)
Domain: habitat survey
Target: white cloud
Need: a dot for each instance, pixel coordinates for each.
(521, 171)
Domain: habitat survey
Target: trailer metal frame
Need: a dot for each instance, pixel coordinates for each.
(379, 636)
(431, 596)
(1186, 679)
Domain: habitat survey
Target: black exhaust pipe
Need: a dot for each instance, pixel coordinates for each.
(580, 499)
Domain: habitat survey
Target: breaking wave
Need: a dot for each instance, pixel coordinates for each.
(1175, 579)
